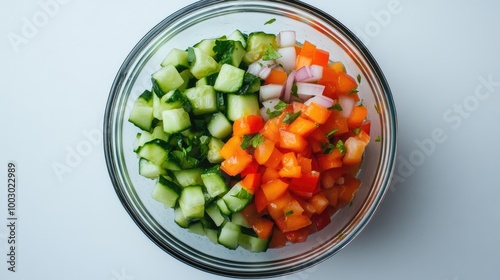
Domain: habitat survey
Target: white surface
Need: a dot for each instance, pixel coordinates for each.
(441, 222)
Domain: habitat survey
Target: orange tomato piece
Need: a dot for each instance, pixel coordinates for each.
(278, 239)
(345, 83)
(263, 152)
(232, 146)
(274, 189)
(305, 163)
(275, 159)
(348, 190)
(317, 113)
(302, 126)
(354, 150)
(292, 222)
(251, 182)
(250, 124)
(260, 200)
(290, 172)
(308, 49)
(236, 163)
(320, 57)
(269, 175)
(263, 227)
(357, 116)
(320, 202)
(331, 160)
(276, 207)
(277, 77)
(292, 141)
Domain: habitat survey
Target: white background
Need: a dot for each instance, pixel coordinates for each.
(439, 221)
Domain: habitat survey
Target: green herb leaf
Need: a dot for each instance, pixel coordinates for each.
(272, 114)
(270, 21)
(359, 78)
(253, 140)
(378, 139)
(271, 53)
(290, 117)
(249, 82)
(336, 106)
(341, 235)
(257, 140)
(223, 50)
(331, 132)
(289, 212)
(279, 109)
(376, 108)
(340, 146)
(357, 130)
(281, 106)
(327, 148)
(352, 91)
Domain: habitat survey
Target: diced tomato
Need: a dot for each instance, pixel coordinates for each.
(263, 227)
(293, 207)
(260, 200)
(297, 106)
(232, 146)
(302, 126)
(345, 83)
(320, 202)
(317, 113)
(274, 160)
(276, 207)
(249, 124)
(305, 163)
(253, 167)
(264, 151)
(305, 184)
(320, 57)
(332, 194)
(348, 190)
(297, 236)
(308, 49)
(274, 189)
(251, 182)
(292, 141)
(320, 221)
(277, 77)
(278, 239)
(354, 151)
(331, 160)
(292, 222)
(357, 116)
(236, 163)
(335, 123)
(269, 175)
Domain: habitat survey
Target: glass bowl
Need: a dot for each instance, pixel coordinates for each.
(205, 19)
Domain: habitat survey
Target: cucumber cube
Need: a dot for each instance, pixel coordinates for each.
(166, 79)
(192, 202)
(230, 79)
(219, 126)
(202, 99)
(175, 120)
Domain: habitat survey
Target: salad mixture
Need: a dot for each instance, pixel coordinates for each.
(253, 139)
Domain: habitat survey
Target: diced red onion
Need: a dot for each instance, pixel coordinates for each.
(287, 95)
(269, 104)
(347, 104)
(264, 114)
(309, 74)
(321, 100)
(270, 91)
(254, 68)
(264, 73)
(305, 90)
(288, 58)
(286, 38)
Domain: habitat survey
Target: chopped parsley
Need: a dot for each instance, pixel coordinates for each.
(336, 106)
(357, 130)
(271, 53)
(358, 78)
(290, 117)
(340, 146)
(279, 109)
(331, 132)
(378, 139)
(223, 51)
(270, 21)
(294, 90)
(289, 212)
(327, 148)
(353, 91)
(376, 108)
(253, 140)
(191, 56)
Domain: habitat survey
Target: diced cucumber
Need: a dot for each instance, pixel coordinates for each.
(237, 198)
(257, 44)
(253, 243)
(175, 120)
(229, 52)
(237, 35)
(229, 235)
(192, 202)
(173, 99)
(219, 126)
(207, 46)
(223, 207)
(202, 99)
(197, 228)
(189, 177)
(142, 111)
(239, 219)
(201, 64)
(214, 182)
(211, 234)
(171, 162)
(159, 133)
(185, 162)
(214, 147)
(230, 79)
(239, 106)
(187, 76)
(166, 79)
(215, 214)
(166, 192)
(142, 138)
(178, 58)
(149, 169)
(179, 218)
(155, 151)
